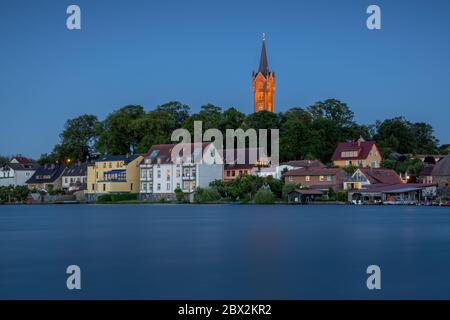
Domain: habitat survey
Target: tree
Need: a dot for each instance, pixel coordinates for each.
(152, 128)
(178, 111)
(425, 141)
(210, 116)
(333, 110)
(179, 194)
(78, 138)
(264, 196)
(118, 134)
(231, 119)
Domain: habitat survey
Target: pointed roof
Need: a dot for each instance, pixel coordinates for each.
(442, 168)
(263, 64)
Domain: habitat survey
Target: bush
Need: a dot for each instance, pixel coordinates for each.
(206, 195)
(104, 198)
(123, 197)
(264, 197)
(179, 194)
(342, 196)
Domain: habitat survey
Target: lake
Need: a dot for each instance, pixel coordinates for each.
(224, 251)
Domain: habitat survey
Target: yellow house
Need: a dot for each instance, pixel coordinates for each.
(113, 174)
(359, 153)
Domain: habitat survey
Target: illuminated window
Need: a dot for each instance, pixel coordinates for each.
(308, 178)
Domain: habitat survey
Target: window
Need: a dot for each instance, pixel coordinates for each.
(93, 186)
(66, 180)
(373, 164)
(178, 185)
(307, 178)
(228, 173)
(158, 187)
(104, 187)
(329, 178)
(360, 163)
(110, 165)
(178, 173)
(144, 187)
(233, 173)
(168, 187)
(159, 174)
(291, 179)
(185, 185)
(321, 178)
(104, 165)
(96, 175)
(349, 154)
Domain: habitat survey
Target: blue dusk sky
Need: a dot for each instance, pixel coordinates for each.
(151, 52)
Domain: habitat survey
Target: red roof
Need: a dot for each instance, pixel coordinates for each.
(314, 171)
(380, 175)
(304, 163)
(23, 160)
(362, 147)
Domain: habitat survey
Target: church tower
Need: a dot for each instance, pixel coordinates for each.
(263, 83)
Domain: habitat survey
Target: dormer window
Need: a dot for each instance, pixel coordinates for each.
(349, 154)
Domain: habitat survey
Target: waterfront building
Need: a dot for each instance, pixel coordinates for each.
(113, 175)
(75, 177)
(47, 177)
(245, 161)
(303, 196)
(263, 83)
(403, 193)
(364, 177)
(17, 171)
(321, 179)
(359, 153)
(277, 171)
(160, 175)
(441, 176)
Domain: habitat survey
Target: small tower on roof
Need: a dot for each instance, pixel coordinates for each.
(263, 82)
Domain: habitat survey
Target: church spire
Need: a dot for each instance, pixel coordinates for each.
(263, 64)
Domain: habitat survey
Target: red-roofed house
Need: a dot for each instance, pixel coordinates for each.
(317, 178)
(364, 177)
(359, 153)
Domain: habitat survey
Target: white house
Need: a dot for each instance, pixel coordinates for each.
(74, 177)
(17, 171)
(160, 175)
(277, 171)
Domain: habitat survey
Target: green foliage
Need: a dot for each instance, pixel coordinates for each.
(123, 197)
(342, 196)
(206, 195)
(117, 135)
(400, 135)
(331, 194)
(350, 170)
(264, 196)
(13, 194)
(104, 198)
(305, 133)
(179, 194)
(411, 166)
(219, 185)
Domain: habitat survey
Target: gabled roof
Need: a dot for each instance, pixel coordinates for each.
(76, 170)
(31, 166)
(394, 188)
(304, 163)
(380, 175)
(362, 148)
(442, 168)
(47, 174)
(163, 152)
(22, 160)
(125, 158)
(314, 171)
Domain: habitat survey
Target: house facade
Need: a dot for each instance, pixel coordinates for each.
(113, 174)
(364, 177)
(359, 153)
(47, 177)
(75, 177)
(17, 171)
(277, 171)
(317, 178)
(161, 174)
(441, 176)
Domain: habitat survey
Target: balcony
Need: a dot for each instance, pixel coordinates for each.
(189, 176)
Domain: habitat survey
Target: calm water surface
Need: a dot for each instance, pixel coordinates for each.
(224, 251)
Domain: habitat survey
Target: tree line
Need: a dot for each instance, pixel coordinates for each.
(305, 133)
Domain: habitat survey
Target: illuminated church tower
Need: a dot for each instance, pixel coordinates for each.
(263, 83)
